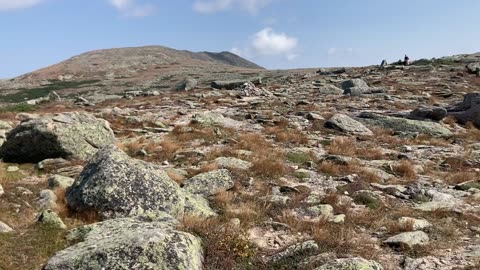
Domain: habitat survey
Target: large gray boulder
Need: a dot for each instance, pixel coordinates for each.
(343, 123)
(230, 85)
(428, 113)
(4, 129)
(346, 85)
(468, 110)
(406, 126)
(351, 264)
(116, 185)
(209, 183)
(129, 243)
(329, 89)
(473, 67)
(187, 85)
(66, 135)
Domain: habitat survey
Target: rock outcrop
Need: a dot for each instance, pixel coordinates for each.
(66, 135)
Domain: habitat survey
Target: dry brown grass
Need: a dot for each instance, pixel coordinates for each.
(471, 133)
(341, 239)
(363, 173)
(269, 166)
(178, 178)
(157, 151)
(203, 169)
(405, 169)
(450, 120)
(225, 245)
(454, 178)
(31, 248)
(285, 135)
(347, 146)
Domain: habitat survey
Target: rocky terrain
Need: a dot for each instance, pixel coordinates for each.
(340, 168)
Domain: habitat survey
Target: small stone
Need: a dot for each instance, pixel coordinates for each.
(12, 169)
(322, 211)
(417, 224)
(409, 239)
(47, 199)
(351, 264)
(51, 219)
(4, 228)
(209, 183)
(59, 181)
(339, 219)
(1, 190)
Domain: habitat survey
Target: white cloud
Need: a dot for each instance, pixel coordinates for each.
(267, 42)
(339, 52)
(332, 51)
(8, 5)
(132, 8)
(212, 6)
(292, 56)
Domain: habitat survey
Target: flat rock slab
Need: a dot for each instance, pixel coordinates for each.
(344, 123)
(405, 125)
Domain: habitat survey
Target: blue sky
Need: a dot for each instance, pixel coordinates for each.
(273, 33)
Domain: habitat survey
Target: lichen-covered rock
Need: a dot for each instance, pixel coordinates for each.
(348, 125)
(230, 85)
(129, 243)
(351, 264)
(232, 163)
(51, 219)
(417, 224)
(210, 119)
(346, 85)
(116, 185)
(329, 89)
(406, 126)
(47, 199)
(66, 135)
(323, 211)
(196, 205)
(209, 183)
(408, 239)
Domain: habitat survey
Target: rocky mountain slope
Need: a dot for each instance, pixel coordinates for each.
(366, 168)
(123, 69)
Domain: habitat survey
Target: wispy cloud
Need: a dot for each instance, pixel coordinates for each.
(337, 51)
(133, 8)
(213, 6)
(267, 42)
(9, 5)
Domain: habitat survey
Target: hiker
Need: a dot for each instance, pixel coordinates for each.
(383, 64)
(406, 61)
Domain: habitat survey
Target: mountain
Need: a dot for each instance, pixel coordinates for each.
(116, 70)
(123, 62)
